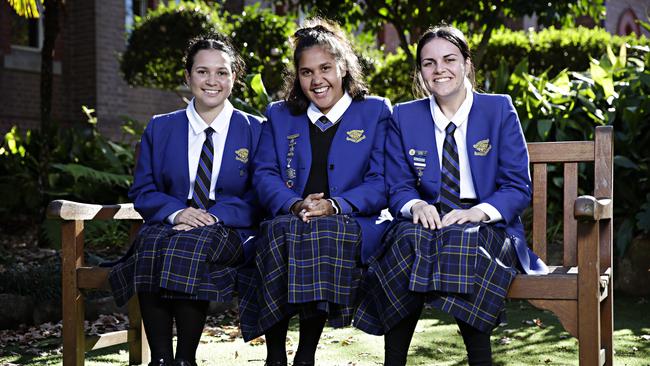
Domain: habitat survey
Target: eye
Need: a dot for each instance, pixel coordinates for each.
(305, 72)
(201, 72)
(326, 68)
(222, 73)
(427, 64)
(451, 59)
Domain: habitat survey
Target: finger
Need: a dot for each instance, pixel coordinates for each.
(436, 219)
(316, 213)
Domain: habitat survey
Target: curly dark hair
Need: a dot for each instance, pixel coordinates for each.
(214, 41)
(329, 35)
(446, 32)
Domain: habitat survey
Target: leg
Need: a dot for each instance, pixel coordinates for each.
(398, 339)
(310, 331)
(190, 320)
(158, 324)
(477, 343)
(276, 343)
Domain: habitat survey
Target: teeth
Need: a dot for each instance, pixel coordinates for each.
(320, 90)
(212, 92)
(441, 80)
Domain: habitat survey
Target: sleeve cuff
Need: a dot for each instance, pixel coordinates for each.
(406, 209)
(335, 205)
(170, 218)
(493, 214)
(344, 207)
(287, 205)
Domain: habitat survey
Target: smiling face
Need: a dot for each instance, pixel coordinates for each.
(210, 80)
(443, 70)
(321, 78)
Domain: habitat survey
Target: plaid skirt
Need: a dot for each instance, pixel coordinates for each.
(301, 268)
(464, 270)
(199, 264)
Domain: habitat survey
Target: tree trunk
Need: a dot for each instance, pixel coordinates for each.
(51, 32)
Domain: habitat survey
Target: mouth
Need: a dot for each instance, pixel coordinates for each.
(211, 92)
(441, 80)
(320, 91)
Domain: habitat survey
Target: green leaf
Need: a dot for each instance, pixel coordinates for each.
(257, 85)
(602, 78)
(543, 127)
(625, 162)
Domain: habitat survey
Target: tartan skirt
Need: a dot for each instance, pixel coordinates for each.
(301, 268)
(198, 264)
(464, 270)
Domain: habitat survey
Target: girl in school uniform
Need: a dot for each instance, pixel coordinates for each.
(192, 186)
(319, 172)
(458, 180)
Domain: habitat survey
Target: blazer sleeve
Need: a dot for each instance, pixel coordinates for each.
(513, 193)
(146, 193)
(369, 197)
(271, 189)
(235, 211)
(400, 180)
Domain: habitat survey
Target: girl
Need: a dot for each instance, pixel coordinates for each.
(193, 188)
(320, 174)
(458, 179)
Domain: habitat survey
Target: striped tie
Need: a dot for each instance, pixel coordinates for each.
(201, 195)
(450, 192)
(323, 123)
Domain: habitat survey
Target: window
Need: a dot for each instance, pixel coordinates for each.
(26, 32)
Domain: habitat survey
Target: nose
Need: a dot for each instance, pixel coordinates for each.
(315, 78)
(212, 78)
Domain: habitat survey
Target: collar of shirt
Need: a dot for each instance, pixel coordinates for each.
(219, 124)
(462, 114)
(334, 115)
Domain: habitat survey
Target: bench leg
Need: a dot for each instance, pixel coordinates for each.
(588, 294)
(73, 306)
(137, 338)
(607, 325)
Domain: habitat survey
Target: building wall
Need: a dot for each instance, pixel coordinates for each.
(86, 73)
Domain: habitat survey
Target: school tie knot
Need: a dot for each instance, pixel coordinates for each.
(323, 123)
(450, 129)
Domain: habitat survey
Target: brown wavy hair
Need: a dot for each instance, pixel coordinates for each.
(455, 37)
(329, 35)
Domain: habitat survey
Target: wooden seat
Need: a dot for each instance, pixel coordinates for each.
(582, 281)
(578, 290)
(77, 277)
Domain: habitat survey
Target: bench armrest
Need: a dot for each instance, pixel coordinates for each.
(591, 208)
(70, 210)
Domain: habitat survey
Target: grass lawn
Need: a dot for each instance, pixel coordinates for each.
(531, 337)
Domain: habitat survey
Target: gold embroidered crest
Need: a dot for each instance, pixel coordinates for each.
(482, 147)
(355, 136)
(242, 155)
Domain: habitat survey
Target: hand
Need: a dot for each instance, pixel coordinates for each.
(462, 216)
(182, 227)
(194, 217)
(427, 215)
(321, 208)
(310, 202)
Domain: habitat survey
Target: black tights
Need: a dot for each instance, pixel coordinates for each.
(158, 315)
(398, 339)
(310, 332)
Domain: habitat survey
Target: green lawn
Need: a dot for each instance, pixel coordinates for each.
(531, 337)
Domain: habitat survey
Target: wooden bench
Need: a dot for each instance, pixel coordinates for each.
(587, 242)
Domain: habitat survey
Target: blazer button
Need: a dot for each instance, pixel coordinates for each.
(333, 189)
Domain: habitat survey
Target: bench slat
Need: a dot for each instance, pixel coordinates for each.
(561, 152)
(569, 228)
(539, 210)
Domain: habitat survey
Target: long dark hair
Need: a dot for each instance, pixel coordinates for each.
(327, 34)
(448, 33)
(214, 41)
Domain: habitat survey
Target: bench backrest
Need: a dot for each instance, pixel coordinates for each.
(569, 154)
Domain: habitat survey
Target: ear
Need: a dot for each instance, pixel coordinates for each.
(468, 66)
(187, 77)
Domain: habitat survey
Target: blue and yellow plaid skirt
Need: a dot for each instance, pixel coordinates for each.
(199, 264)
(464, 270)
(301, 268)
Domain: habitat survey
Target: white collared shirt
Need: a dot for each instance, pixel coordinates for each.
(334, 114)
(195, 139)
(460, 119)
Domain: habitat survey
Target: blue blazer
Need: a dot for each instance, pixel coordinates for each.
(498, 158)
(356, 163)
(161, 181)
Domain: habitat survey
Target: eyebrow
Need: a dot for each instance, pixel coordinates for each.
(321, 65)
